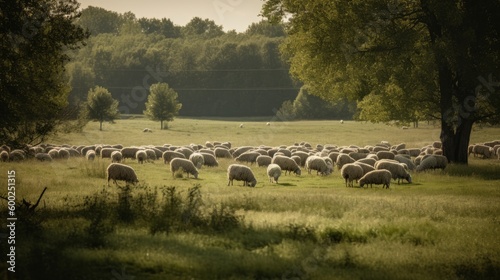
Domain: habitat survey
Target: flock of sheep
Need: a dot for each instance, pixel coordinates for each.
(377, 164)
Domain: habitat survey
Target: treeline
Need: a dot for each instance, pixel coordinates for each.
(215, 73)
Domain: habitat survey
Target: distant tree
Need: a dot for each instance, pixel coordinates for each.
(35, 38)
(265, 28)
(98, 20)
(100, 106)
(202, 27)
(162, 104)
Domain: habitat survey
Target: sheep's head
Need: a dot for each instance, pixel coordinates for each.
(297, 171)
(408, 178)
(252, 183)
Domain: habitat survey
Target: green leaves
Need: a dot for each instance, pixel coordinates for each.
(100, 106)
(162, 104)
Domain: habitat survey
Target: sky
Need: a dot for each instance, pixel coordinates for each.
(231, 14)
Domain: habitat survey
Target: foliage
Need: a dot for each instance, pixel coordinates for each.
(35, 37)
(100, 106)
(414, 58)
(162, 104)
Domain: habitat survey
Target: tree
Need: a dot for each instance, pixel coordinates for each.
(162, 104)
(35, 38)
(100, 106)
(440, 56)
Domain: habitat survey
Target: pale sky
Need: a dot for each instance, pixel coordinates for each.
(231, 14)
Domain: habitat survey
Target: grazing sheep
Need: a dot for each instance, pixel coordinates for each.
(358, 155)
(43, 157)
(141, 156)
(249, 157)
(54, 153)
(63, 154)
(378, 177)
(17, 155)
(168, 156)
(287, 164)
(274, 172)
(366, 167)
(185, 151)
(369, 161)
(106, 152)
(303, 157)
(209, 160)
(397, 170)
(351, 172)
(90, 155)
(268, 123)
(341, 121)
(414, 152)
(263, 160)
(222, 153)
(427, 163)
(150, 155)
(343, 159)
(483, 150)
(442, 161)
(241, 125)
(405, 160)
(197, 160)
(84, 150)
(116, 156)
(4, 156)
(297, 160)
(129, 152)
(240, 172)
(121, 172)
(186, 165)
(385, 155)
(147, 130)
(319, 164)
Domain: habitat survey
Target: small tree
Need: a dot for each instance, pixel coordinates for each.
(162, 104)
(100, 106)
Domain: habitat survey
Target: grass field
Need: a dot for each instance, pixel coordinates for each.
(445, 225)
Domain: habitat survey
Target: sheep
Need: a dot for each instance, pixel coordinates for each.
(303, 156)
(4, 156)
(116, 156)
(209, 160)
(405, 160)
(351, 172)
(273, 172)
(54, 154)
(366, 167)
(442, 161)
(343, 159)
(129, 152)
(263, 160)
(249, 157)
(287, 164)
(378, 177)
(17, 155)
(186, 165)
(483, 150)
(168, 156)
(122, 172)
(241, 172)
(241, 125)
(185, 151)
(385, 155)
(427, 163)
(369, 161)
(297, 160)
(397, 170)
(414, 152)
(141, 156)
(319, 164)
(43, 157)
(147, 130)
(358, 155)
(150, 155)
(63, 154)
(106, 152)
(222, 153)
(268, 123)
(90, 155)
(197, 160)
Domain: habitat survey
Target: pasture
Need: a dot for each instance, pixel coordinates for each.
(445, 225)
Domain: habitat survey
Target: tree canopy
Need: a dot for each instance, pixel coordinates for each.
(35, 37)
(162, 104)
(403, 59)
(100, 106)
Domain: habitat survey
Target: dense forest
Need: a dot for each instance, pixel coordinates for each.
(215, 73)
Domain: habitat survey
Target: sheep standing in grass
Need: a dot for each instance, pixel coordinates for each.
(241, 172)
(116, 156)
(287, 164)
(263, 160)
(43, 157)
(351, 172)
(222, 153)
(427, 163)
(197, 160)
(209, 160)
(319, 164)
(141, 156)
(4, 156)
(378, 177)
(273, 172)
(397, 170)
(90, 155)
(249, 157)
(129, 152)
(168, 156)
(483, 150)
(343, 159)
(186, 165)
(121, 172)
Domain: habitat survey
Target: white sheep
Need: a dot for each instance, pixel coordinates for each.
(427, 163)
(249, 157)
(106, 152)
(287, 164)
(43, 157)
(397, 170)
(209, 160)
(197, 160)
(90, 155)
(151, 154)
(369, 161)
(122, 172)
(385, 155)
(319, 164)
(366, 167)
(129, 152)
(63, 154)
(351, 172)
(405, 160)
(186, 165)
(273, 172)
(222, 153)
(241, 172)
(241, 125)
(441, 160)
(4, 156)
(378, 177)
(116, 156)
(147, 130)
(141, 156)
(343, 159)
(483, 150)
(263, 160)
(168, 156)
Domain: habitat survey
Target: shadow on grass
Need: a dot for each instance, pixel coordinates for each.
(286, 184)
(482, 171)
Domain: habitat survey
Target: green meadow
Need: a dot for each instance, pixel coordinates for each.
(445, 225)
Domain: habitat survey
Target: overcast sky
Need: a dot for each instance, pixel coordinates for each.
(231, 14)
